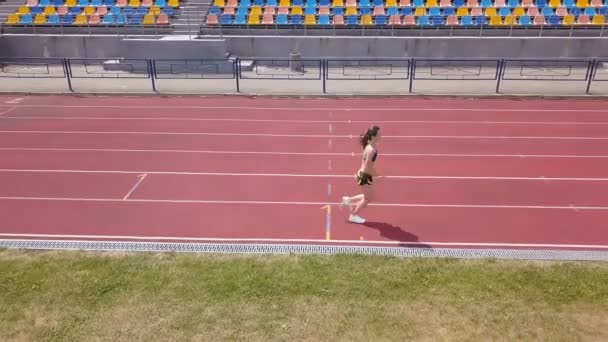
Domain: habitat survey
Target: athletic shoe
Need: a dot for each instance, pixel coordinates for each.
(356, 219)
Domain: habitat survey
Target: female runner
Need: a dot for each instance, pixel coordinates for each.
(365, 175)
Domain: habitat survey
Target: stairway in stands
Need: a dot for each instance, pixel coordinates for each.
(190, 17)
(9, 7)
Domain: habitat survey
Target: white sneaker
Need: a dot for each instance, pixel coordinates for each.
(345, 201)
(356, 219)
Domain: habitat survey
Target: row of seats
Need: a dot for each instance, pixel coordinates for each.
(63, 10)
(98, 3)
(525, 20)
(412, 3)
(83, 19)
(434, 11)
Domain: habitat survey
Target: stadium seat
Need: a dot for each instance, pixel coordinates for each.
(240, 19)
(394, 20)
(26, 19)
(89, 10)
(13, 19)
(226, 19)
(504, 11)
(527, 3)
(268, 19)
(31, 3)
(351, 11)
(108, 19)
(282, 19)
(162, 19)
(424, 20)
(52, 19)
(83, 3)
(67, 19)
(462, 11)
(590, 11)
(63, 10)
(525, 20)
(23, 10)
(500, 3)
(510, 20)
(366, 20)
(452, 20)
(584, 20)
(380, 20)
(539, 20)
(40, 19)
(554, 20)
(36, 10)
(582, 3)
(599, 19)
(310, 19)
(324, 19)
(467, 20)
(297, 10)
(409, 20)
(435, 11)
(81, 19)
(150, 19)
(94, 19)
(445, 3)
(121, 3)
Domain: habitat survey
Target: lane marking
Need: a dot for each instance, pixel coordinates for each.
(438, 122)
(326, 109)
(327, 221)
(312, 135)
(182, 173)
(409, 205)
(7, 111)
(141, 179)
(370, 242)
(15, 101)
(351, 154)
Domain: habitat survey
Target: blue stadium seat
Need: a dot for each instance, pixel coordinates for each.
(272, 3)
(67, 19)
(603, 11)
(97, 3)
(337, 11)
(437, 20)
(381, 20)
(424, 20)
(36, 9)
(324, 3)
(514, 3)
(525, 20)
(121, 19)
(310, 10)
(226, 19)
(258, 2)
(115, 10)
(449, 11)
(282, 19)
(76, 10)
(554, 20)
(53, 19)
(434, 11)
(58, 3)
(467, 20)
(547, 11)
(134, 20)
(481, 20)
(378, 2)
(541, 3)
(366, 10)
(407, 11)
(311, 3)
(352, 20)
(108, 19)
(128, 11)
(324, 19)
(214, 10)
(242, 10)
(245, 3)
(109, 3)
(418, 3)
(365, 3)
(393, 11)
(504, 11)
(169, 10)
(575, 11)
(458, 3)
(486, 3)
(296, 19)
(569, 3)
(83, 3)
(161, 3)
(240, 19)
(590, 11)
(297, 3)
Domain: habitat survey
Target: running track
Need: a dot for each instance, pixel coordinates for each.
(461, 173)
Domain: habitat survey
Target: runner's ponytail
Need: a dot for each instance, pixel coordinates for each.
(371, 132)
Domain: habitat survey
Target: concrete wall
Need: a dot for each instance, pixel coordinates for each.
(281, 46)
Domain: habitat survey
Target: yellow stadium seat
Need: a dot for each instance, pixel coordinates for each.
(70, 3)
(338, 3)
(582, 3)
(351, 11)
(149, 19)
(366, 19)
(510, 20)
(462, 11)
(491, 12)
(173, 3)
(134, 3)
(391, 3)
(40, 19)
(568, 20)
(495, 20)
(310, 19)
(296, 10)
(155, 10)
(555, 3)
(432, 3)
(256, 10)
(285, 3)
(519, 11)
(89, 10)
(13, 19)
(599, 19)
(420, 11)
(23, 10)
(254, 20)
(49, 10)
(220, 3)
(81, 19)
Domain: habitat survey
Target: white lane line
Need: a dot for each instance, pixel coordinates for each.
(7, 111)
(300, 153)
(229, 174)
(141, 179)
(303, 203)
(438, 122)
(15, 101)
(271, 240)
(326, 109)
(502, 137)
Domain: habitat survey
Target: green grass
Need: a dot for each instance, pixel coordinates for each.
(160, 297)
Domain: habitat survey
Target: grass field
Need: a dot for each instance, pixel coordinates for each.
(161, 297)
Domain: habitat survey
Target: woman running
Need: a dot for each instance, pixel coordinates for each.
(365, 175)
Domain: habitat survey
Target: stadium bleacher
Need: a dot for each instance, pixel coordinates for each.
(412, 13)
(94, 12)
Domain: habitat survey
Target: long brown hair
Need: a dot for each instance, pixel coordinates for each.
(371, 132)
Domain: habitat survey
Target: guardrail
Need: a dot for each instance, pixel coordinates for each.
(390, 72)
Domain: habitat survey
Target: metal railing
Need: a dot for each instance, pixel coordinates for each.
(316, 73)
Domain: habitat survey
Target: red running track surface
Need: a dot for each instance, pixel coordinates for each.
(496, 173)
